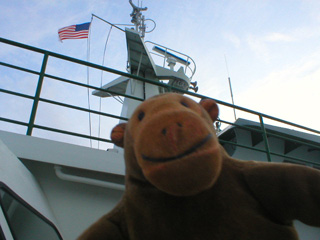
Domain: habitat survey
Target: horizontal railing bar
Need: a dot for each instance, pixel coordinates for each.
(19, 68)
(13, 121)
(91, 87)
(55, 130)
(71, 133)
(63, 104)
(241, 126)
(264, 151)
(252, 112)
(292, 140)
(16, 93)
(294, 158)
(243, 146)
(257, 129)
(304, 162)
(82, 62)
(290, 123)
(83, 109)
(21, 45)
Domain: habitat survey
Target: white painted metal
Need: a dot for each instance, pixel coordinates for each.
(22, 182)
(85, 180)
(15, 176)
(78, 203)
(75, 205)
(64, 154)
(119, 85)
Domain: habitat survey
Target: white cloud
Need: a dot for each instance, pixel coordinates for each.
(291, 93)
(262, 44)
(278, 37)
(235, 40)
(258, 46)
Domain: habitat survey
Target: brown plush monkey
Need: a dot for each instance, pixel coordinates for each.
(181, 184)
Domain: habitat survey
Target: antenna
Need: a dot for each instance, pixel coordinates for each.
(137, 18)
(165, 53)
(234, 110)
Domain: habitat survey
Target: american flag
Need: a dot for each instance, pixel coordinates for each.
(78, 31)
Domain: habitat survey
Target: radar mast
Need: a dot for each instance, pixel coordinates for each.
(138, 19)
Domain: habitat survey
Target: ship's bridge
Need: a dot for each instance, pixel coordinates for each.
(155, 62)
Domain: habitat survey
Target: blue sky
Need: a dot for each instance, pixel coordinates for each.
(272, 47)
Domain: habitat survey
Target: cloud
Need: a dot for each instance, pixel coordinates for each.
(291, 93)
(235, 40)
(258, 46)
(262, 45)
(278, 37)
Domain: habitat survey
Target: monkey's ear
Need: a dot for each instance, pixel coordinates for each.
(117, 134)
(211, 107)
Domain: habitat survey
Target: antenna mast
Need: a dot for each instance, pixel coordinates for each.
(234, 110)
(138, 19)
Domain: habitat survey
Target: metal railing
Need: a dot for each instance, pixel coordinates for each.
(42, 75)
(189, 62)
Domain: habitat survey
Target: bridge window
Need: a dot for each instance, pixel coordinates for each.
(24, 221)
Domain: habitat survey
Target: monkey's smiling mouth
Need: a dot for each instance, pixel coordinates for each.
(189, 151)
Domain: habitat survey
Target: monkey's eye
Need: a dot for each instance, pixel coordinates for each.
(184, 104)
(141, 116)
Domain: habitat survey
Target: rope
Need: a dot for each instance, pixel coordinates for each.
(117, 98)
(103, 58)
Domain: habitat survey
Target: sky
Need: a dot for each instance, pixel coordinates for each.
(270, 49)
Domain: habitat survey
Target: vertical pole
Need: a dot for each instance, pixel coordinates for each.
(265, 138)
(234, 110)
(231, 93)
(37, 95)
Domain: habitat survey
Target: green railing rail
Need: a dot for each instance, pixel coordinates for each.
(42, 74)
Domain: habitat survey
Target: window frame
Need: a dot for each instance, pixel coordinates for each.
(16, 197)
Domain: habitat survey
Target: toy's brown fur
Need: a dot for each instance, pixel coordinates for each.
(181, 184)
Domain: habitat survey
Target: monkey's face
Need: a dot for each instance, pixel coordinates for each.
(173, 142)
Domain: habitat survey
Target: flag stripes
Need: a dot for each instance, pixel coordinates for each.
(78, 31)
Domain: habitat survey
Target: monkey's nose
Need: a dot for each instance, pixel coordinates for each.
(172, 129)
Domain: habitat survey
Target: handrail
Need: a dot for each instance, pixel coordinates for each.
(270, 133)
(43, 75)
(86, 180)
(193, 71)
